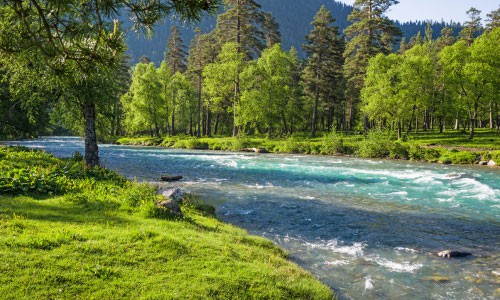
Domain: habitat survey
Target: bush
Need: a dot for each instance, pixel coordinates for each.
(333, 143)
(415, 152)
(376, 144)
(398, 151)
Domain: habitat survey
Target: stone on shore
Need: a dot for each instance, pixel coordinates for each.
(491, 163)
(174, 193)
(170, 206)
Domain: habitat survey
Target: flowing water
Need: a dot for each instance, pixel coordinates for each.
(366, 228)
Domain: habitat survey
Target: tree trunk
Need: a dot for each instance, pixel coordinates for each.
(491, 115)
(198, 133)
(91, 149)
(473, 121)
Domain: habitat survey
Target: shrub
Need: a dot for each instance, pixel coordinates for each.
(333, 143)
(398, 151)
(376, 144)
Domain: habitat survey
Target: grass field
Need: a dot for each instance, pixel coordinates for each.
(93, 235)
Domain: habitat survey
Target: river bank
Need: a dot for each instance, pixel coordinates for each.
(447, 148)
(72, 233)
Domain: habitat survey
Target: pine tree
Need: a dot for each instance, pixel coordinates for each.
(323, 72)
(271, 30)
(370, 33)
(241, 24)
(472, 27)
(493, 19)
(175, 53)
(202, 51)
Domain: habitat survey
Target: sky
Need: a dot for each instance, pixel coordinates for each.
(437, 10)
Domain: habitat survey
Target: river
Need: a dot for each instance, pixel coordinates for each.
(366, 228)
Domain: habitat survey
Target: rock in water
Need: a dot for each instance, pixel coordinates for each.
(452, 254)
(170, 177)
(174, 194)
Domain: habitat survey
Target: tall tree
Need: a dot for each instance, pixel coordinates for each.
(220, 78)
(202, 51)
(241, 24)
(370, 33)
(323, 72)
(271, 30)
(493, 20)
(175, 52)
(472, 27)
(266, 90)
(75, 40)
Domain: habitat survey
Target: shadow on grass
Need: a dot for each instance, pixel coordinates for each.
(53, 210)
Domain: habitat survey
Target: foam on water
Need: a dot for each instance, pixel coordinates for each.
(338, 247)
(396, 266)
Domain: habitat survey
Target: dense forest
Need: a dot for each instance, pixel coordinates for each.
(238, 79)
(293, 16)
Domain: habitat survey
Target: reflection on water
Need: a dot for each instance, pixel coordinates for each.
(367, 228)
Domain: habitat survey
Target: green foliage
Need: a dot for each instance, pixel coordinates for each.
(376, 144)
(398, 151)
(416, 152)
(458, 157)
(333, 143)
(26, 171)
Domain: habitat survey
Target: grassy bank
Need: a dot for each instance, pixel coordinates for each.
(67, 232)
(448, 147)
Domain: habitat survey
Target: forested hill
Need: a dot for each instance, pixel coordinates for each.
(294, 17)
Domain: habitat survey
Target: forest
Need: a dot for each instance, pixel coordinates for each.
(237, 80)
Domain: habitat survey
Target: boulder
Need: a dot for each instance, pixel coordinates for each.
(174, 193)
(491, 163)
(483, 163)
(452, 254)
(170, 177)
(170, 206)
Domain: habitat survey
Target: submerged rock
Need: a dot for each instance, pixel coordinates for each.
(452, 254)
(170, 177)
(437, 278)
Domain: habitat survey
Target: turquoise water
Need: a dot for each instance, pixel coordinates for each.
(367, 228)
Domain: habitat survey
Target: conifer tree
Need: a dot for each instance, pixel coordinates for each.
(493, 19)
(201, 52)
(241, 24)
(175, 53)
(271, 30)
(323, 73)
(472, 27)
(370, 33)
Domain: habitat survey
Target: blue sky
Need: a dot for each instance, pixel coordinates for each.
(410, 10)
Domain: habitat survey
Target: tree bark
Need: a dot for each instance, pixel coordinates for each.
(91, 149)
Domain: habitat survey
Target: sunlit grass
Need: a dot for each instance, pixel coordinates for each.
(99, 241)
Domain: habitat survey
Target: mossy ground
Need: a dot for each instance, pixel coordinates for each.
(98, 239)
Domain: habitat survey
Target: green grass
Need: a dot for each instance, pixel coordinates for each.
(100, 239)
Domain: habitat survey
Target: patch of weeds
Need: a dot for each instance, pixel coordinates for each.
(101, 271)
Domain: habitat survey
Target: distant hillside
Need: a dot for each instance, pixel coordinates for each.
(294, 17)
